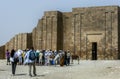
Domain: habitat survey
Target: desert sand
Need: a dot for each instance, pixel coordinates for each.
(86, 69)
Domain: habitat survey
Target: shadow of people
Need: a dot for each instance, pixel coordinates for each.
(39, 76)
(21, 74)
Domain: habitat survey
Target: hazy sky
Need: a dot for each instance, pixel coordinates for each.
(21, 16)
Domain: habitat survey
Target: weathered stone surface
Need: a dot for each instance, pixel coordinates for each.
(48, 33)
(20, 41)
(2, 52)
(76, 31)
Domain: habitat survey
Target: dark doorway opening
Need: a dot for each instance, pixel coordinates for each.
(94, 50)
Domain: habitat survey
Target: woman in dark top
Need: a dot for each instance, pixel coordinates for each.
(13, 63)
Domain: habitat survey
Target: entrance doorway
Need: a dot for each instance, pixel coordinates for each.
(94, 50)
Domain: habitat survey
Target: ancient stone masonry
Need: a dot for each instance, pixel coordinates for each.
(96, 24)
(49, 34)
(118, 22)
(78, 30)
(2, 52)
(20, 41)
(90, 32)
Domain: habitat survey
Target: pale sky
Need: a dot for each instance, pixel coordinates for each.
(21, 16)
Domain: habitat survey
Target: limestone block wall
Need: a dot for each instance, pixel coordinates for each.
(68, 32)
(96, 24)
(118, 33)
(19, 41)
(75, 31)
(48, 33)
(34, 33)
(2, 52)
(29, 42)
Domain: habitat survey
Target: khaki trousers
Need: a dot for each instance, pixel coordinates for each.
(30, 68)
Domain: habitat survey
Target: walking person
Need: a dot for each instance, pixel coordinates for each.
(30, 60)
(8, 57)
(14, 60)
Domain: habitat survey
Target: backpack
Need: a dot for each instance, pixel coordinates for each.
(16, 58)
(32, 55)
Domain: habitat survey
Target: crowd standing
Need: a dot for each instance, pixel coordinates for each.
(33, 57)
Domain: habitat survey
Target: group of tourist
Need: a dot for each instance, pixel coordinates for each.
(33, 57)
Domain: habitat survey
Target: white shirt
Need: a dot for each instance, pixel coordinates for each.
(27, 60)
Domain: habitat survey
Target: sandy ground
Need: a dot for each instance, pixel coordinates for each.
(87, 69)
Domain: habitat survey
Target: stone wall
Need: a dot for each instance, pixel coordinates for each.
(48, 33)
(20, 41)
(2, 52)
(68, 32)
(76, 31)
(118, 33)
(96, 24)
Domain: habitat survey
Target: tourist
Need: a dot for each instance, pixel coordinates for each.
(47, 57)
(8, 57)
(14, 60)
(68, 57)
(37, 56)
(43, 57)
(65, 59)
(40, 58)
(20, 59)
(30, 60)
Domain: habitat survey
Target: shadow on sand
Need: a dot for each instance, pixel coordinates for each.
(21, 74)
(2, 70)
(39, 76)
(24, 74)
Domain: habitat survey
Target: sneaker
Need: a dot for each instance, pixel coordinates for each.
(35, 74)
